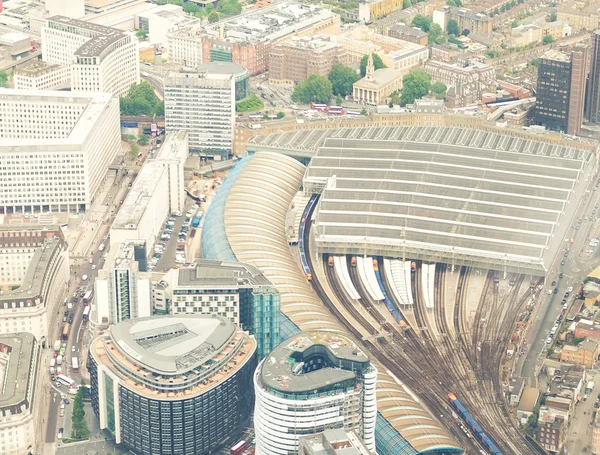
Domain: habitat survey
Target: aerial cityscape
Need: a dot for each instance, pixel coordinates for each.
(299, 227)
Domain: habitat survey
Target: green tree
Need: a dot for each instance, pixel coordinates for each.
(439, 90)
(339, 100)
(280, 115)
(191, 7)
(141, 100)
(143, 140)
(80, 429)
(213, 17)
(364, 112)
(142, 33)
(514, 24)
(134, 150)
(316, 88)
(342, 78)
(551, 17)
(465, 32)
(377, 63)
(422, 22)
(436, 35)
(406, 4)
(229, 7)
(176, 2)
(3, 79)
(548, 39)
(452, 28)
(415, 85)
(451, 3)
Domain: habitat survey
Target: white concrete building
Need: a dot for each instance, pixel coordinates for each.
(161, 20)
(34, 272)
(157, 191)
(19, 357)
(122, 292)
(39, 75)
(71, 8)
(408, 57)
(55, 148)
(204, 104)
(330, 384)
(102, 59)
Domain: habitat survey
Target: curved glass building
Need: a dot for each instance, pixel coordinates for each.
(174, 385)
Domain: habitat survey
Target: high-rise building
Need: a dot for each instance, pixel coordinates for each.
(203, 103)
(102, 59)
(312, 382)
(592, 104)
(178, 385)
(561, 90)
(19, 355)
(237, 291)
(55, 148)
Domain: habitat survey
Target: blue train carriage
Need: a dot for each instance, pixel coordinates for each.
(473, 425)
(386, 300)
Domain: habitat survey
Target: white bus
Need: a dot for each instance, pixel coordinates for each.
(65, 380)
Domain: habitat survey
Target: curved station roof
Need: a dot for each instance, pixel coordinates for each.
(452, 194)
(255, 225)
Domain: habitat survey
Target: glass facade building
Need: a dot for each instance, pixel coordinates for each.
(194, 408)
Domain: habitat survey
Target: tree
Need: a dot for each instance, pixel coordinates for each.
(134, 150)
(342, 78)
(229, 7)
(316, 88)
(142, 33)
(143, 140)
(141, 100)
(422, 22)
(3, 79)
(339, 100)
(406, 4)
(451, 3)
(364, 112)
(452, 28)
(436, 36)
(465, 32)
(176, 2)
(280, 115)
(514, 24)
(548, 39)
(552, 17)
(439, 90)
(80, 429)
(377, 63)
(213, 17)
(416, 85)
(191, 7)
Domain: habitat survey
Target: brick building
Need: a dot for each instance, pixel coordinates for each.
(412, 34)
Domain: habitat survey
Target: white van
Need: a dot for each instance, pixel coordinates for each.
(101, 247)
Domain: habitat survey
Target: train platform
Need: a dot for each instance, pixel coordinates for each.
(450, 299)
(476, 285)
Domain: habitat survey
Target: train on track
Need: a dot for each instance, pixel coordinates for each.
(386, 299)
(301, 247)
(473, 425)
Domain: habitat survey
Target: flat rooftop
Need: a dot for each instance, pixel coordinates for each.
(16, 362)
(174, 147)
(172, 344)
(37, 68)
(558, 56)
(220, 275)
(282, 369)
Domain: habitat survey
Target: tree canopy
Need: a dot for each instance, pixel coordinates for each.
(229, 7)
(452, 27)
(436, 35)
(142, 33)
(415, 85)
(141, 100)
(406, 4)
(80, 429)
(316, 88)
(213, 17)
(3, 79)
(439, 90)
(342, 78)
(547, 39)
(455, 3)
(422, 22)
(377, 63)
(191, 7)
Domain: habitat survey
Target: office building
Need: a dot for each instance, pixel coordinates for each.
(297, 58)
(561, 90)
(203, 103)
(312, 382)
(19, 355)
(72, 8)
(247, 39)
(178, 385)
(55, 148)
(102, 59)
(40, 75)
(237, 291)
(333, 442)
(34, 265)
(123, 291)
(106, 6)
(240, 74)
(158, 190)
(592, 104)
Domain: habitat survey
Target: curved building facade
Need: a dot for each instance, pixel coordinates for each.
(310, 383)
(174, 385)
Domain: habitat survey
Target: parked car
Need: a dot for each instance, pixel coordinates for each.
(60, 433)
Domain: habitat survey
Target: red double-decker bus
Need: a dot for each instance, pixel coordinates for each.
(238, 448)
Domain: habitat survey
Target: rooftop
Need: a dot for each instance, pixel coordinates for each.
(37, 68)
(18, 362)
(315, 43)
(283, 371)
(528, 399)
(413, 31)
(222, 68)
(12, 37)
(174, 147)
(381, 78)
(558, 56)
(333, 442)
(172, 344)
(216, 274)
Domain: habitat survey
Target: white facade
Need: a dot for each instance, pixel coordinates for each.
(404, 59)
(161, 20)
(41, 76)
(158, 190)
(185, 47)
(72, 8)
(55, 148)
(204, 105)
(102, 59)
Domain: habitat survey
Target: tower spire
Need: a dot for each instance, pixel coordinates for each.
(370, 68)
